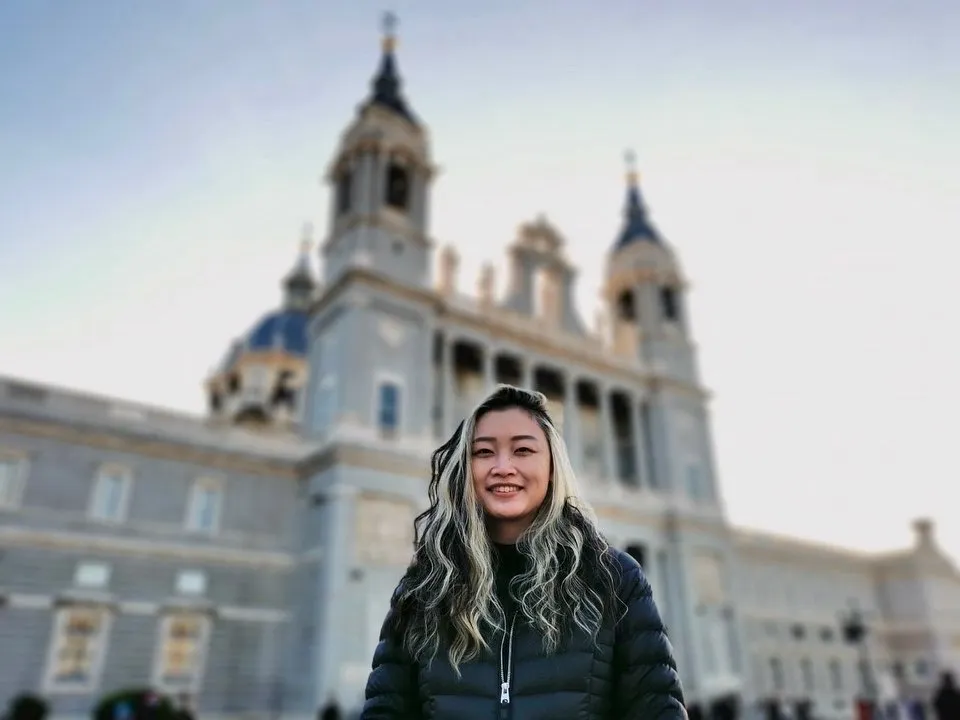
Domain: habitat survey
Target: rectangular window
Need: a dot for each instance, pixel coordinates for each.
(12, 471)
(91, 575)
(389, 410)
(181, 651)
(111, 491)
(191, 582)
(77, 649)
(203, 509)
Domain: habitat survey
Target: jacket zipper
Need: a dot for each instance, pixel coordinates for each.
(506, 669)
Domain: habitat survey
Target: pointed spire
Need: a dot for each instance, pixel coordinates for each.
(637, 225)
(299, 284)
(387, 85)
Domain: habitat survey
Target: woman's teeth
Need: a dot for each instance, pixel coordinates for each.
(505, 489)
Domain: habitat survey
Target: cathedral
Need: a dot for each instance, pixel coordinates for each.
(244, 559)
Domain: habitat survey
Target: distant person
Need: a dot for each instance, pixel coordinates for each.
(331, 711)
(916, 709)
(514, 605)
(946, 700)
(726, 707)
(184, 707)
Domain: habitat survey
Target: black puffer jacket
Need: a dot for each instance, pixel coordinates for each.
(628, 674)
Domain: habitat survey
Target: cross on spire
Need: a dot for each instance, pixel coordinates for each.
(389, 26)
(306, 238)
(389, 23)
(630, 160)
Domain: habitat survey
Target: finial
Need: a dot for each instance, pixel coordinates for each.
(630, 159)
(389, 27)
(306, 238)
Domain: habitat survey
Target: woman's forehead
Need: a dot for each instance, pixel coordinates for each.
(506, 423)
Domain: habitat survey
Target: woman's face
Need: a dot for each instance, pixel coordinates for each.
(511, 471)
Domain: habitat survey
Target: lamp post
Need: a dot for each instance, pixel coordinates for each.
(854, 630)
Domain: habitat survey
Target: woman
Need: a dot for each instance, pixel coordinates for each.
(514, 606)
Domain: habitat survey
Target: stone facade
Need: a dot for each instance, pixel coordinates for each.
(246, 558)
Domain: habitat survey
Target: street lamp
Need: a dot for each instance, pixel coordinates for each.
(854, 630)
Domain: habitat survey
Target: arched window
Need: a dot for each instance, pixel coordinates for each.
(344, 194)
(398, 186)
(626, 308)
(283, 393)
(669, 304)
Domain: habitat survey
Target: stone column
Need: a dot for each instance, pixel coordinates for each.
(489, 369)
(639, 443)
(607, 439)
(446, 384)
(380, 180)
(337, 508)
(572, 433)
(365, 168)
(423, 221)
(526, 377)
(418, 183)
(681, 609)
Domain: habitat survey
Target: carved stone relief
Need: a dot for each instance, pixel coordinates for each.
(708, 578)
(391, 332)
(384, 531)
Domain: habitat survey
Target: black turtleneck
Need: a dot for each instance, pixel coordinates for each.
(509, 562)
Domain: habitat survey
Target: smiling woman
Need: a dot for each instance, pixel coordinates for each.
(511, 471)
(509, 569)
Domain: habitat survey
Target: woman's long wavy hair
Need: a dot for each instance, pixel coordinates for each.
(447, 599)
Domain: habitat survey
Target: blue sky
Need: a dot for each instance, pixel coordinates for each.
(159, 159)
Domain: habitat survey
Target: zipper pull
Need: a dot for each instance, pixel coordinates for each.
(505, 693)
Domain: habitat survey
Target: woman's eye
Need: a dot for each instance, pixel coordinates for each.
(481, 452)
(524, 451)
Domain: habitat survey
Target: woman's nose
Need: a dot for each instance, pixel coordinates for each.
(503, 464)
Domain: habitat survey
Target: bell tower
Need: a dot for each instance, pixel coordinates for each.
(380, 178)
(645, 292)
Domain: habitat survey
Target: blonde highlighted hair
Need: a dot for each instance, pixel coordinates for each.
(446, 599)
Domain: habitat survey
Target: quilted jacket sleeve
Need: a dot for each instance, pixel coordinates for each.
(391, 691)
(646, 682)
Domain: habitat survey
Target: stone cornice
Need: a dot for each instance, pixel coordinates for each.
(74, 542)
(388, 460)
(759, 546)
(148, 444)
(384, 218)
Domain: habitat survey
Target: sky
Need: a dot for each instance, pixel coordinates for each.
(159, 159)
